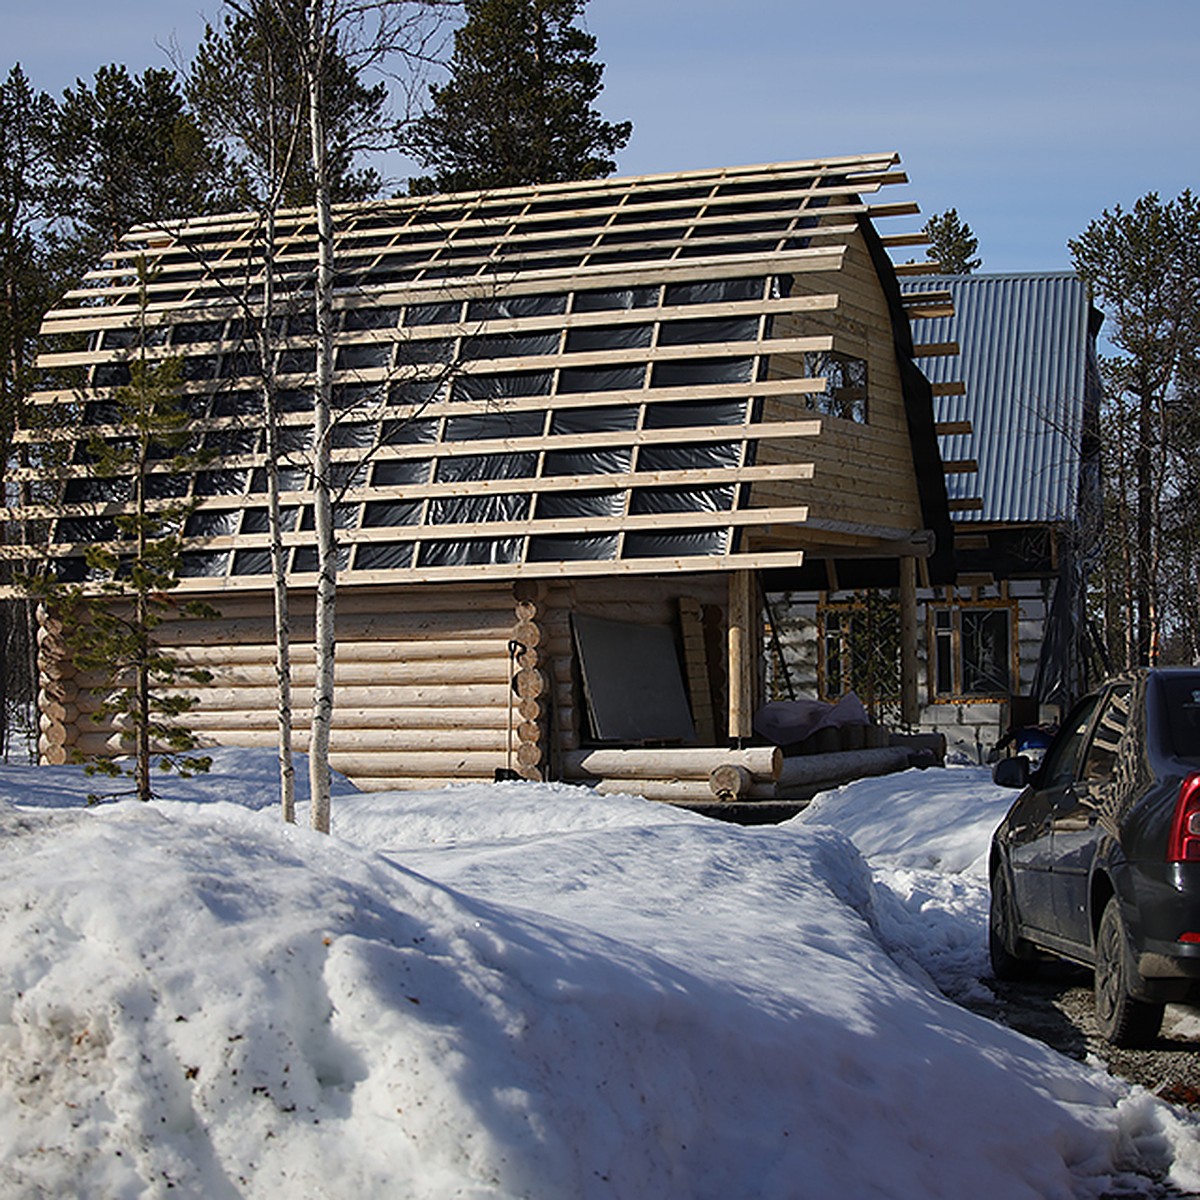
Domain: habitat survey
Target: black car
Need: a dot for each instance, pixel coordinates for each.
(1098, 860)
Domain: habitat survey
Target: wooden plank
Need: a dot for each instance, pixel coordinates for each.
(953, 428)
(936, 349)
(743, 644)
(950, 388)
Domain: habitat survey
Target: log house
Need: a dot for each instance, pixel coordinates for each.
(575, 423)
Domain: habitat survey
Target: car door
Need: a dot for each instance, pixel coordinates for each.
(1031, 824)
(1076, 827)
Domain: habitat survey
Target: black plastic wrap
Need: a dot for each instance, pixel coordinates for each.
(471, 510)
(111, 375)
(258, 520)
(687, 372)
(408, 432)
(348, 475)
(551, 505)
(708, 329)
(508, 307)
(608, 299)
(449, 313)
(221, 483)
(713, 291)
(601, 379)
(304, 561)
(237, 364)
(494, 425)
(251, 562)
(689, 458)
(401, 471)
(416, 351)
(607, 419)
(510, 345)
(294, 400)
(195, 564)
(565, 547)
(485, 466)
(364, 357)
(237, 403)
(353, 435)
(588, 462)
(163, 486)
(414, 393)
(671, 500)
(296, 361)
(210, 522)
(383, 556)
(609, 337)
(355, 319)
(681, 413)
(291, 479)
(345, 516)
(188, 332)
(230, 441)
(295, 439)
(504, 386)
(380, 514)
(676, 545)
(463, 554)
(85, 529)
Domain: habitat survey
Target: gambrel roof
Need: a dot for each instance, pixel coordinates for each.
(682, 372)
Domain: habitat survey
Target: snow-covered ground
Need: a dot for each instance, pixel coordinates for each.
(527, 990)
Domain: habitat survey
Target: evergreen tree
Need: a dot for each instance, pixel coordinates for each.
(109, 623)
(518, 108)
(27, 287)
(1143, 266)
(128, 152)
(952, 243)
(247, 89)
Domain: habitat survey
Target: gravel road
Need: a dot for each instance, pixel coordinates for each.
(1056, 1008)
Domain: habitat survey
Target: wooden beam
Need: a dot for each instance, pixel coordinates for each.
(744, 646)
(936, 350)
(952, 428)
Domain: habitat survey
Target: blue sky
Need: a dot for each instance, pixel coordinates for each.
(1029, 116)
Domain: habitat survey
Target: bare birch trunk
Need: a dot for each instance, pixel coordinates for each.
(325, 647)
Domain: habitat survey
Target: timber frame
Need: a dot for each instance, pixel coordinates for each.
(676, 380)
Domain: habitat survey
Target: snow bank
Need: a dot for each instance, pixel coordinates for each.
(502, 991)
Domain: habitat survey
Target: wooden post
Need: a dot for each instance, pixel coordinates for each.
(744, 649)
(910, 707)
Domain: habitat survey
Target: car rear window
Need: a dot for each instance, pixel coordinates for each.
(1181, 695)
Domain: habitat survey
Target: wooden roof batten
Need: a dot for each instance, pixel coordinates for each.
(637, 327)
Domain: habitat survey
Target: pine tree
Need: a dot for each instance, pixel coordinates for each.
(27, 287)
(247, 90)
(1143, 267)
(128, 152)
(952, 243)
(109, 623)
(519, 105)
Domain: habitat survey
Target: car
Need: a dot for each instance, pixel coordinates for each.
(1098, 859)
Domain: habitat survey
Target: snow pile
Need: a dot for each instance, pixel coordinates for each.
(512, 991)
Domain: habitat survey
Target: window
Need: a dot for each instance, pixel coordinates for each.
(845, 393)
(972, 651)
(859, 651)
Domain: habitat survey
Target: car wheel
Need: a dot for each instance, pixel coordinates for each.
(1012, 957)
(1123, 1020)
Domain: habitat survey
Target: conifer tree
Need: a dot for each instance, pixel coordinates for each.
(109, 623)
(128, 151)
(27, 286)
(952, 243)
(519, 105)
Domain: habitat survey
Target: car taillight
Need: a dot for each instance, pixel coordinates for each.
(1184, 843)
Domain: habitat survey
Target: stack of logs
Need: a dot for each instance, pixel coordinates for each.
(697, 775)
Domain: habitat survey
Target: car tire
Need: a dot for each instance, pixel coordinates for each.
(1122, 1019)
(1012, 957)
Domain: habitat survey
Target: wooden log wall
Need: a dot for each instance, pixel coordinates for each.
(435, 684)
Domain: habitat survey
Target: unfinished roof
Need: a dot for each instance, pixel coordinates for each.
(1027, 362)
(624, 375)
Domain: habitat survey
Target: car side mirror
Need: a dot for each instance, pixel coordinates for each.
(1011, 772)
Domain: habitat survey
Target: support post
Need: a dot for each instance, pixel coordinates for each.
(910, 707)
(744, 647)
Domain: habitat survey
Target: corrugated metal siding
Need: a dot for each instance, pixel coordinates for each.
(1024, 343)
